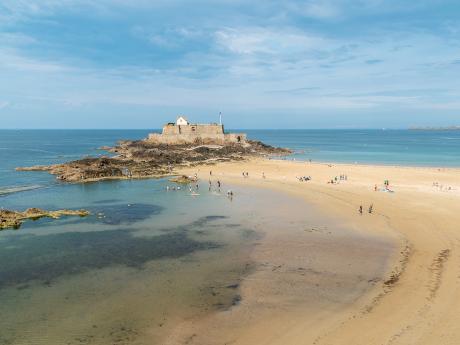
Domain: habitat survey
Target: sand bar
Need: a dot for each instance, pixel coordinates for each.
(417, 302)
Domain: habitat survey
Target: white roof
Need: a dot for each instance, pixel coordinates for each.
(181, 120)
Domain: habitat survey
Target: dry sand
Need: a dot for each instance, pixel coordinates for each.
(414, 300)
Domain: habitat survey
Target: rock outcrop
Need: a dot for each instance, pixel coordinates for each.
(14, 219)
(183, 179)
(143, 158)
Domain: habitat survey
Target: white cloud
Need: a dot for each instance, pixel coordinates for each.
(10, 59)
(266, 41)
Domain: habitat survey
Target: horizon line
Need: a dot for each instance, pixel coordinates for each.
(230, 129)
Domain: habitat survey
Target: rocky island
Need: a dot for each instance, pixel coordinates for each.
(14, 219)
(180, 144)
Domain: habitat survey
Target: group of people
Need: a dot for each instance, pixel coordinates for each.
(230, 194)
(173, 188)
(370, 209)
(194, 190)
(219, 184)
(386, 186)
(246, 174)
(303, 178)
(441, 187)
(339, 178)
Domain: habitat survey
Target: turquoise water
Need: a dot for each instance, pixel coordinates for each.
(399, 147)
(145, 259)
(141, 260)
(388, 147)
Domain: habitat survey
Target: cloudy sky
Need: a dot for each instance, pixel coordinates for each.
(264, 64)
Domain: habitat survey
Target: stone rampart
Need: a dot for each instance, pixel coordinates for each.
(195, 133)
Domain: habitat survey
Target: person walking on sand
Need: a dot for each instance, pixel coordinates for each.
(371, 207)
(375, 188)
(361, 209)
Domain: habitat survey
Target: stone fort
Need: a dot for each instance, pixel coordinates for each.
(183, 132)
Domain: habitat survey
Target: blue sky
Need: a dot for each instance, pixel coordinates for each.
(264, 64)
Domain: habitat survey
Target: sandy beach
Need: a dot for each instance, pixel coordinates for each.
(415, 300)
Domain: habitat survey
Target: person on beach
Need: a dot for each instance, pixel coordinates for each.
(218, 185)
(375, 188)
(210, 172)
(263, 174)
(371, 207)
(361, 209)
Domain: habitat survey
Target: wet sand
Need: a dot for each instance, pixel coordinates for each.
(320, 291)
(154, 274)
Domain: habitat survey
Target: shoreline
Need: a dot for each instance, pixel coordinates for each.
(419, 259)
(415, 301)
(370, 164)
(282, 257)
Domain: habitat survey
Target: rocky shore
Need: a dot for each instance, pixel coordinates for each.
(14, 219)
(142, 159)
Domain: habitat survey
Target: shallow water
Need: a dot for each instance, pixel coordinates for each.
(143, 258)
(147, 259)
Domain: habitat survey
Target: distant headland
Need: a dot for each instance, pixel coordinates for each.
(429, 128)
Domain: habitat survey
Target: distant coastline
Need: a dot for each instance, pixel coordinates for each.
(448, 128)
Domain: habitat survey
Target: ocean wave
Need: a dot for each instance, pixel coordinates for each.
(27, 150)
(16, 189)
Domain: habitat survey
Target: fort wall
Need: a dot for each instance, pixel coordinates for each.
(195, 133)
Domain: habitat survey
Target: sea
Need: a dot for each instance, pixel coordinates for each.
(388, 147)
(148, 256)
